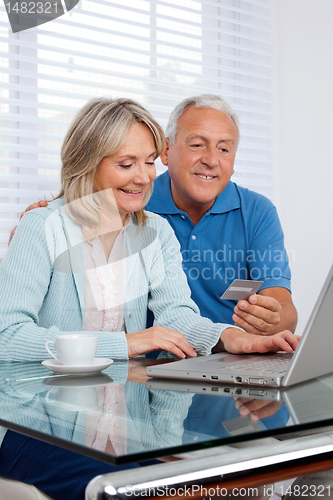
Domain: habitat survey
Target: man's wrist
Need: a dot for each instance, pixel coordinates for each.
(225, 335)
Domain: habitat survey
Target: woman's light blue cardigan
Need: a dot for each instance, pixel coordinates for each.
(42, 277)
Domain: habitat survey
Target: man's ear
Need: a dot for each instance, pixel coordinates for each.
(165, 154)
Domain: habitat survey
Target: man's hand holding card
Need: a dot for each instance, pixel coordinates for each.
(257, 314)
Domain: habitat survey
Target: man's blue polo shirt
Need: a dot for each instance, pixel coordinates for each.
(239, 237)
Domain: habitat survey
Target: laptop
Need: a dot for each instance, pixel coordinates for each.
(312, 358)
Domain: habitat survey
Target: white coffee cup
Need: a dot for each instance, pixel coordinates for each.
(74, 349)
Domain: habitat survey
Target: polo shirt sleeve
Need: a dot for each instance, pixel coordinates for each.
(267, 257)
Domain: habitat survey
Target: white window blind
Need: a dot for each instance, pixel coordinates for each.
(157, 52)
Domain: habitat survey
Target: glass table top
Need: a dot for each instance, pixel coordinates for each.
(119, 416)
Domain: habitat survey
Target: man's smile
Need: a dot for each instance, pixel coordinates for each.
(204, 176)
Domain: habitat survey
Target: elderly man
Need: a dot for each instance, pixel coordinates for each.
(225, 231)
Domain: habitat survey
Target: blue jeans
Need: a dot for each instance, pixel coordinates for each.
(59, 473)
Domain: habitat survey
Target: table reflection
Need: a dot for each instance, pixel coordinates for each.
(123, 415)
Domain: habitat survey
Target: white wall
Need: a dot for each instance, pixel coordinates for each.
(303, 77)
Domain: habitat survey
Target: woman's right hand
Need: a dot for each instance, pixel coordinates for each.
(158, 338)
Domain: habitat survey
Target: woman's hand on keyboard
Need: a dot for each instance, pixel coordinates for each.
(158, 338)
(236, 341)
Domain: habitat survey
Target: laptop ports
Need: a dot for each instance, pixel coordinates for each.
(238, 380)
(214, 377)
(257, 381)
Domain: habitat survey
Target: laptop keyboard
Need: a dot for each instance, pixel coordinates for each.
(258, 367)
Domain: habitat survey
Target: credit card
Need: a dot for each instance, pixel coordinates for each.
(241, 289)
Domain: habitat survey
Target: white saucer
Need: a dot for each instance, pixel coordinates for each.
(97, 365)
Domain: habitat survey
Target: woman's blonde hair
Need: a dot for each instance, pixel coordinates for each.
(99, 129)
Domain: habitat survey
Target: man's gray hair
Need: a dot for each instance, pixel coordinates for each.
(201, 101)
